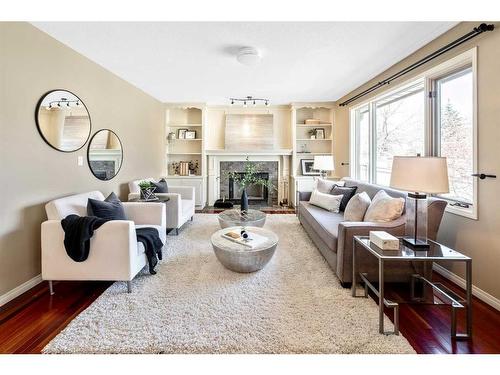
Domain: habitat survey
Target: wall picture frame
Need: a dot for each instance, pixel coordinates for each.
(306, 166)
(190, 134)
(181, 133)
(320, 133)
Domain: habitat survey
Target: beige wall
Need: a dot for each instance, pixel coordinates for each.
(33, 173)
(479, 239)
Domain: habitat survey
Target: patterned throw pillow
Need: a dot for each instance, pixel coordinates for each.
(346, 191)
(357, 206)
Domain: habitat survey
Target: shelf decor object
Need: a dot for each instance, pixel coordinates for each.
(419, 176)
(323, 163)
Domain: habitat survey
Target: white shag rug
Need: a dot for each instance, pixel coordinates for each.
(195, 305)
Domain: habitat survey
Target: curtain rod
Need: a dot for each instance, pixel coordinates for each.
(464, 38)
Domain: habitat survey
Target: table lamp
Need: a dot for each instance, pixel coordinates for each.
(323, 163)
(419, 176)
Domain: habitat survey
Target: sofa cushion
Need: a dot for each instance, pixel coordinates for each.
(326, 201)
(110, 209)
(384, 208)
(357, 206)
(324, 223)
(347, 193)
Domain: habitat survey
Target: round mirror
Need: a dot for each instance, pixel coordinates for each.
(63, 120)
(105, 154)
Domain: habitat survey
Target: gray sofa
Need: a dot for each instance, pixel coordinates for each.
(334, 237)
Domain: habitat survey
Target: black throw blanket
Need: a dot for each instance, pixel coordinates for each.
(78, 230)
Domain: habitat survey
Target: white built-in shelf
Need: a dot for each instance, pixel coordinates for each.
(314, 125)
(184, 153)
(183, 125)
(187, 139)
(309, 139)
(313, 153)
(272, 152)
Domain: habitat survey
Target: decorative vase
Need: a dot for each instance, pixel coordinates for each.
(244, 200)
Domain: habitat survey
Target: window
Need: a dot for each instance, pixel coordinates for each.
(432, 115)
(362, 131)
(399, 128)
(453, 95)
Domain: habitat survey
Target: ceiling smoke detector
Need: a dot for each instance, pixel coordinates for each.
(248, 56)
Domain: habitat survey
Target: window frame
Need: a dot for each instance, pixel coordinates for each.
(467, 59)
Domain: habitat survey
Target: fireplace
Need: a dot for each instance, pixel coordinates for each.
(258, 196)
(256, 193)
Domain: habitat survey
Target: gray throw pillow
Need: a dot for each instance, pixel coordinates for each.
(110, 209)
(161, 186)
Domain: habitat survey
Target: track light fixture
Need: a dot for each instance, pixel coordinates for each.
(63, 101)
(250, 99)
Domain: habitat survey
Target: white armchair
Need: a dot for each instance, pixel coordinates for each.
(114, 253)
(180, 207)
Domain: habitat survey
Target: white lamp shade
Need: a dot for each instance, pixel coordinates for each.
(323, 163)
(420, 174)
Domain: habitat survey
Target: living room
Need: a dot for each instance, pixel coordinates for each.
(187, 187)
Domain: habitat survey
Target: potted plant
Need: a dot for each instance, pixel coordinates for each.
(248, 178)
(147, 190)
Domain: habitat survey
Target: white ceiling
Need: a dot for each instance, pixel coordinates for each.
(196, 62)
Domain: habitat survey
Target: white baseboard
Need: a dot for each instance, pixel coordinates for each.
(17, 291)
(479, 293)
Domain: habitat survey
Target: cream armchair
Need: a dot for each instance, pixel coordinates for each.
(180, 207)
(114, 253)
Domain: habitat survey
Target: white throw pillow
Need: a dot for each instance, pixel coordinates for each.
(327, 201)
(356, 207)
(384, 208)
(325, 186)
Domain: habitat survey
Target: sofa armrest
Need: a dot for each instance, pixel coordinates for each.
(186, 192)
(304, 195)
(346, 232)
(144, 213)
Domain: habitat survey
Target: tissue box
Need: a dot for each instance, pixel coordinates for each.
(384, 240)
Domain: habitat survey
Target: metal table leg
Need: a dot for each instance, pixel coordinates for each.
(469, 296)
(354, 269)
(381, 296)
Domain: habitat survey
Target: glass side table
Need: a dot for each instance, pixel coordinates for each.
(238, 218)
(435, 253)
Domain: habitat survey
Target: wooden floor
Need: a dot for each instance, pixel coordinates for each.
(30, 321)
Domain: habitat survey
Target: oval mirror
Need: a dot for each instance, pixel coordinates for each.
(63, 120)
(105, 154)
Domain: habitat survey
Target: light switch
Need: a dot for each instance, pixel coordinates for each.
(80, 161)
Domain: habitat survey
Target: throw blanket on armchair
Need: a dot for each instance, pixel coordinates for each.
(78, 230)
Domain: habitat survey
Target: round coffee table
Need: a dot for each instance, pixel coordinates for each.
(236, 217)
(241, 258)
